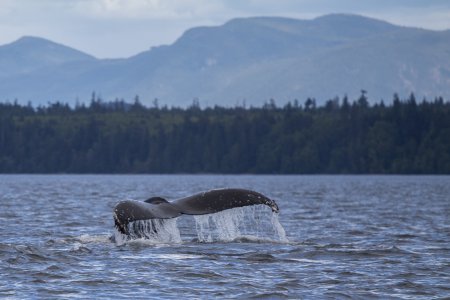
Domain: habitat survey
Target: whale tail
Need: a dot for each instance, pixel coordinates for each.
(208, 202)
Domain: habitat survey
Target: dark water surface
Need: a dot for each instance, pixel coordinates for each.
(358, 237)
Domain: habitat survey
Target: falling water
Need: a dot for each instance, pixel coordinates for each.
(156, 230)
(281, 233)
(255, 223)
(250, 223)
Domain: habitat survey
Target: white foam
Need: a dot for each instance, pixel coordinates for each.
(87, 238)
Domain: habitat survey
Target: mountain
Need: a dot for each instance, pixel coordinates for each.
(30, 54)
(247, 59)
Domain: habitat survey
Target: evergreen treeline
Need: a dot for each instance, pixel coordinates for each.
(339, 137)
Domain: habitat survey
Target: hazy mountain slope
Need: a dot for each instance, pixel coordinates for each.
(253, 59)
(261, 58)
(29, 54)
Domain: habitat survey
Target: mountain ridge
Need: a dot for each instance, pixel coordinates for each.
(245, 59)
(16, 57)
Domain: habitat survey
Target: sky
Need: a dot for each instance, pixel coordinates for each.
(123, 28)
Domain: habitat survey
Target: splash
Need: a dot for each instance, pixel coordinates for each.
(154, 231)
(279, 229)
(242, 223)
(247, 224)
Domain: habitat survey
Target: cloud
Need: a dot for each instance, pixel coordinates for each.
(120, 28)
(144, 9)
(433, 15)
(6, 7)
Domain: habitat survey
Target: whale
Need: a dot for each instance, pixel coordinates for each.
(158, 209)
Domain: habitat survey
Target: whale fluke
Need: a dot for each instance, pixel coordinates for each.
(208, 202)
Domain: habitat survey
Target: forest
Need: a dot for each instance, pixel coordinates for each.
(340, 137)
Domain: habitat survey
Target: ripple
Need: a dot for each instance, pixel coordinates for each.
(270, 295)
(80, 248)
(260, 257)
(357, 237)
(168, 256)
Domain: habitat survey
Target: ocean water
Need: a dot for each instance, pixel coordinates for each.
(336, 237)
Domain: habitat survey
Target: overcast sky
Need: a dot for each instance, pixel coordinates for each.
(122, 28)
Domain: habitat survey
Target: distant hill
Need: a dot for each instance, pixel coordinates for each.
(31, 54)
(251, 60)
